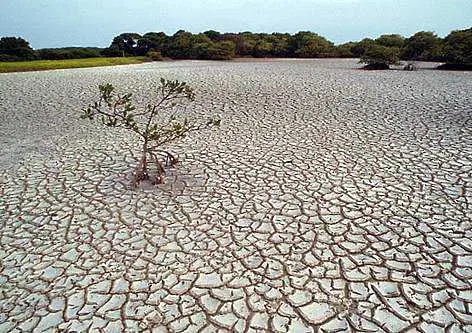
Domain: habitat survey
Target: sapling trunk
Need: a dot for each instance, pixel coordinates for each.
(143, 165)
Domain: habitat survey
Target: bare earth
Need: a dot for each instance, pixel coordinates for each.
(331, 199)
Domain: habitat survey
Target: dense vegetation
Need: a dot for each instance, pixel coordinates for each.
(455, 49)
(458, 50)
(15, 49)
(384, 50)
(69, 53)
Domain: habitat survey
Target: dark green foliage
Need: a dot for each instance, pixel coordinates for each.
(391, 41)
(458, 47)
(126, 44)
(423, 45)
(262, 48)
(380, 57)
(306, 44)
(238, 40)
(455, 49)
(143, 46)
(68, 53)
(223, 50)
(358, 48)
(159, 123)
(212, 34)
(344, 50)
(280, 44)
(158, 41)
(15, 49)
(180, 45)
(216, 46)
(111, 52)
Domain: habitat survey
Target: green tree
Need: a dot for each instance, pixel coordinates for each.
(358, 48)
(237, 39)
(223, 50)
(249, 42)
(143, 46)
(158, 41)
(280, 44)
(180, 45)
(423, 45)
(345, 50)
(15, 48)
(306, 44)
(458, 47)
(125, 43)
(393, 40)
(262, 48)
(380, 57)
(157, 124)
(213, 35)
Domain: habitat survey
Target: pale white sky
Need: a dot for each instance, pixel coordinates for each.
(59, 23)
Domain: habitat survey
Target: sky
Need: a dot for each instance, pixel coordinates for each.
(61, 23)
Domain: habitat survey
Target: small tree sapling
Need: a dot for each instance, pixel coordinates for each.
(156, 125)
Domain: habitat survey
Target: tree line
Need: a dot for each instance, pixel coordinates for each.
(18, 49)
(455, 48)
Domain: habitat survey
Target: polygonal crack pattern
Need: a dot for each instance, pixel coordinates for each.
(330, 200)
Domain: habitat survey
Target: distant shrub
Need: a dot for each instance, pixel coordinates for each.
(380, 57)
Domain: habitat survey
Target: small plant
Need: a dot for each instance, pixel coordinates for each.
(156, 125)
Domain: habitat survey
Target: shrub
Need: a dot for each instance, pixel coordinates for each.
(380, 57)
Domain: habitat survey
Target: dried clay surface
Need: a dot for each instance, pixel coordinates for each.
(330, 200)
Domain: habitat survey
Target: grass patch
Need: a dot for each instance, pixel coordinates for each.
(41, 65)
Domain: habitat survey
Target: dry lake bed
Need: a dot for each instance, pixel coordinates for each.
(329, 200)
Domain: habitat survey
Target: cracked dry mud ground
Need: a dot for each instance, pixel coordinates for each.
(330, 200)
